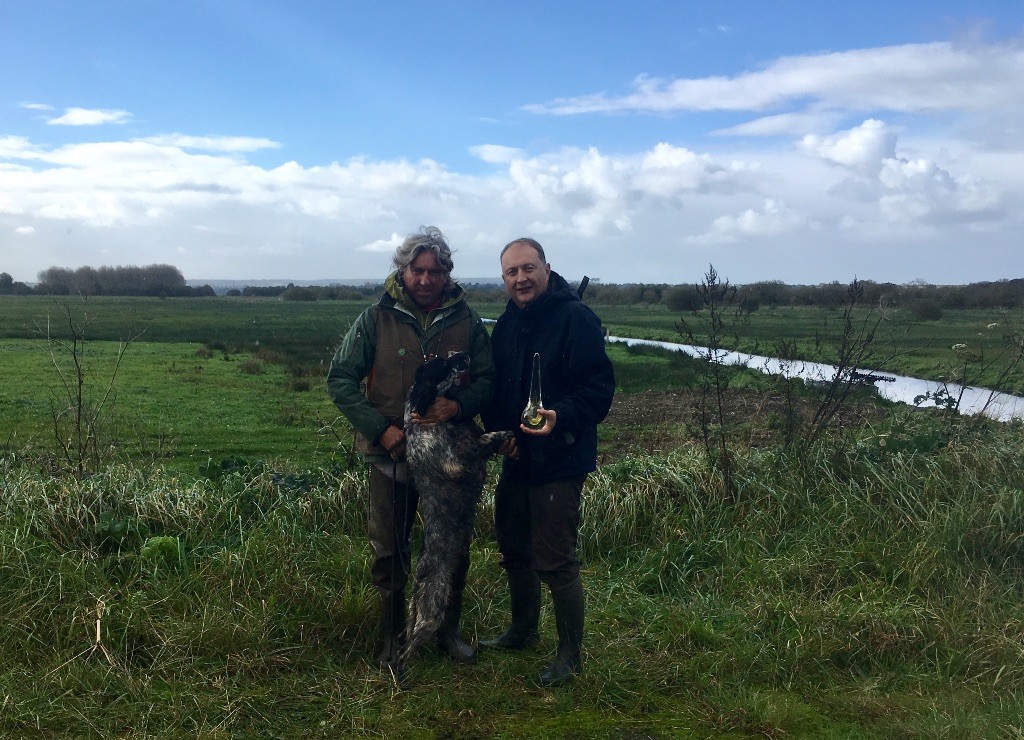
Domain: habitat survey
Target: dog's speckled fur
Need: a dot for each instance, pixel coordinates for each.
(448, 464)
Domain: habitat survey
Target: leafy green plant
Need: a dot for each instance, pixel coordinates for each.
(162, 552)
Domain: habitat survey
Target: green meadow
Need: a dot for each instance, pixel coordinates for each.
(208, 577)
(305, 333)
(172, 403)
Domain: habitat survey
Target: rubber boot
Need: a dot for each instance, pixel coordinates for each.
(390, 629)
(524, 594)
(569, 607)
(448, 639)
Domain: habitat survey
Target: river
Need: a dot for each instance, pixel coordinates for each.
(1001, 406)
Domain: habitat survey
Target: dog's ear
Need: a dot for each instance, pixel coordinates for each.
(421, 395)
(424, 387)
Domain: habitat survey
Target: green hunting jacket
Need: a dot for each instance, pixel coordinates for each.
(355, 358)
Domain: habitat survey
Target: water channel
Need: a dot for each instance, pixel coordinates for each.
(1001, 406)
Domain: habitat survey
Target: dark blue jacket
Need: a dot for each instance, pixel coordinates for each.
(576, 378)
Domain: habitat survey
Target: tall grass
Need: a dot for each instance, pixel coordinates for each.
(851, 592)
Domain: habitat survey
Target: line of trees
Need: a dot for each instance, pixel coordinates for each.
(292, 292)
(151, 280)
(772, 294)
(927, 301)
(9, 286)
(921, 297)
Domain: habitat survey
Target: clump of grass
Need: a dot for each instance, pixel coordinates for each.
(251, 366)
(852, 591)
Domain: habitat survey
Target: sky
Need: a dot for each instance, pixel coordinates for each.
(805, 142)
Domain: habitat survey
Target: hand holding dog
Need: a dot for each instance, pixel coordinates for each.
(393, 440)
(508, 449)
(440, 411)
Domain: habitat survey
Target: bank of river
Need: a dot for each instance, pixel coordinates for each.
(903, 389)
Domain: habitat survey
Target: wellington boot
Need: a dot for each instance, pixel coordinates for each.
(569, 609)
(448, 639)
(524, 594)
(390, 629)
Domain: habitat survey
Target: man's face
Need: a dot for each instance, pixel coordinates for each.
(525, 276)
(424, 280)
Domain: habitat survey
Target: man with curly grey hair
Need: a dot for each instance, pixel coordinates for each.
(422, 314)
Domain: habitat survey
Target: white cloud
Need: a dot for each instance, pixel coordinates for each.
(213, 143)
(25, 230)
(382, 245)
(670, 172)
(773, 218)
(905, 190)
(920, 190)
(598, 191)
(863, 148)
(36, 106)
(911, 77)
(784, 124)
(90, 117)
(495, 153)
(658, 214)
(16, 147)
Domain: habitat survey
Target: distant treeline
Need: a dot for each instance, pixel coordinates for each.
(165, 280)
(152, 280)
(292, 292)
(773, 293)
(924, 299)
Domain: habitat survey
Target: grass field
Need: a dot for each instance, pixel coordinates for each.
(181, 405)
(852, 594)
(210, 578)
(306, 333)
(173, 403)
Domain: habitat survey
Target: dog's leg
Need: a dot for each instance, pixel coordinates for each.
(489, 443)
(433, 582)
(451, 465)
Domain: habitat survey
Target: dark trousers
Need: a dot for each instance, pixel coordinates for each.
(391, 519)
(392, 514)
(538, 527)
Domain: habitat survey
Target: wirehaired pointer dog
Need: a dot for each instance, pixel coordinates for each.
(448, 464)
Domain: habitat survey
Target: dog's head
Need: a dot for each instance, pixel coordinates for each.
(438, 377)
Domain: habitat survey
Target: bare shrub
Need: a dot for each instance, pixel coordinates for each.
(251, 366)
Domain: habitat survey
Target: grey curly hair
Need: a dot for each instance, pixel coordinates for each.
(430, 239)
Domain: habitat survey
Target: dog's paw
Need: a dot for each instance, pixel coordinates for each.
(491, 441)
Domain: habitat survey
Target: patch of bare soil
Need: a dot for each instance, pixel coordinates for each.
(659, 419)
